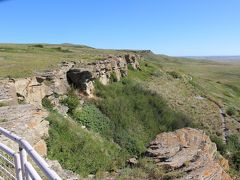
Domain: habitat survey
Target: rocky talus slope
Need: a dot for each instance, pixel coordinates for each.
(191, 151)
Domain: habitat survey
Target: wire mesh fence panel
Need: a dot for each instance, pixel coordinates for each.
(7, 166)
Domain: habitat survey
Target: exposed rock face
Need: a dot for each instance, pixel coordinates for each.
(132, 59)
(30, 91)
(7, 93)
(57, 78)
(28, 122)
(113, 68)
(66, 174)
(190, 151)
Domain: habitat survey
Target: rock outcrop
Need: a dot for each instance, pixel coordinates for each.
(30, 91)
(28, 122)
(8, 93)
(190, 151)
(111, 69)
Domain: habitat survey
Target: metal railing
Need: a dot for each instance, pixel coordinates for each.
(15, 165)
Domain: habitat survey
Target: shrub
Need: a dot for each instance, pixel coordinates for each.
(92, 118)
(47, 104)
(221, 147)
(71, 101)
(38, 46)
(236, 160)
(231, 111)
(2, 104)
(175, 74)
(113, 77)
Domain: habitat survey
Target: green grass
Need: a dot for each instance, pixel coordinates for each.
(220, 80)
(147, 169)
(91, 117)
(22, 60)
(2, 104)
(79, 150)
(137, 115)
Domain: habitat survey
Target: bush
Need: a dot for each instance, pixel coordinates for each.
(236, 160)
(175, 74)
(72, 101)
(92, 118)
(221, 147)
(113, 77)
(2, 104)
(231, 111)
(38, 46)
(47, 104)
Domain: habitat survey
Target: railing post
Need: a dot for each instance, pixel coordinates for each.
(18, 168)
(23, 158)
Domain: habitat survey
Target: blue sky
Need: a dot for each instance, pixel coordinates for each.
(172, 27)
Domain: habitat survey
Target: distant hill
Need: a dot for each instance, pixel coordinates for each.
(215, 58)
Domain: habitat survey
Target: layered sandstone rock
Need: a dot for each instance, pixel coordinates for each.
(190, 151)
(113, 68)
(8, 93)
(30, 91)
(28, 122)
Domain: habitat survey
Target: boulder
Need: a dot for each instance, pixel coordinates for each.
(190, 151)
(30, 91)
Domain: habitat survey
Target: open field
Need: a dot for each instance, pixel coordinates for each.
(24, 60)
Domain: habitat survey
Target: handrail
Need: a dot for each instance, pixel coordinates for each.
(26, 149)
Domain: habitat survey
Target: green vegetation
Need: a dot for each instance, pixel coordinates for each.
(147, 169)
(175, 74)
(137, 115)
(91, 117)
(72, 101)
(120, 124)
(3, 120)
(22, 60)
(38, 45)
(2, 104)
(231, 111)
(47, 104)
(231, 151)
(131, 112)
(219, 80)
(80, 150)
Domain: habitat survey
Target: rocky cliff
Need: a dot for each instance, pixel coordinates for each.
(190, 151)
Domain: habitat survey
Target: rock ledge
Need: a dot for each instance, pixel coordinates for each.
(190, 151)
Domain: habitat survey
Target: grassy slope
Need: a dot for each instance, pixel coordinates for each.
(217, 80)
